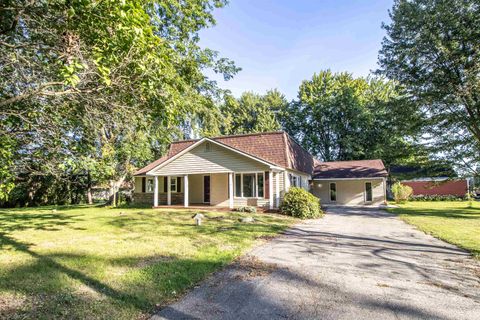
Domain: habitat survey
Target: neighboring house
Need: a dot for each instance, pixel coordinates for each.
(232, 171)
(438, 186)
(350, 182)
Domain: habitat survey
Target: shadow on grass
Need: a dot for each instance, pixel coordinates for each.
(44, 280)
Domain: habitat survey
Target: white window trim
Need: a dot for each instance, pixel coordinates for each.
(256, 173)
(330, 191)
(146, 186)
(365, 192)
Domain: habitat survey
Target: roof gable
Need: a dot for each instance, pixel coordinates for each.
(277, 148)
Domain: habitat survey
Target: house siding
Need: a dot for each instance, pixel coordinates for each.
(215, 160)
(349, 192)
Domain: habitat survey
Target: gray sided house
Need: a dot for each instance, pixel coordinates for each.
(244, 170)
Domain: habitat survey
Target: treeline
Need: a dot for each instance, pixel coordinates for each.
(92, 90)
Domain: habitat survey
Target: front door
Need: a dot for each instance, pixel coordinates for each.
(206, 189)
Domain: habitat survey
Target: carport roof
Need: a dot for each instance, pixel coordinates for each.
(350, 169)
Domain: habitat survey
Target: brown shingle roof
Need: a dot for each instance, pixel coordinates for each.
(275, 147)
(150, 166)
(350, 169)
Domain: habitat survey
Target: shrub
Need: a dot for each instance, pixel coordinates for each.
(246, 209)
(300, 203)
(401, 192)
(437, 197)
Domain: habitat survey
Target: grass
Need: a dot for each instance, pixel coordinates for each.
(101, 263)
(456, 222)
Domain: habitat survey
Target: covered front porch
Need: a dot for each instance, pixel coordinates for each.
(222, 190)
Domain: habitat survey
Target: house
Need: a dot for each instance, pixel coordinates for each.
(242, 170)
(438, 186)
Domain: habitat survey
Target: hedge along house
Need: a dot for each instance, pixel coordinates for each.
(228, 171)
(360, 182)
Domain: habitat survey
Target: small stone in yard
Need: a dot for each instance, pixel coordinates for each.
(121, 212)
(247, 220)
(54, 210)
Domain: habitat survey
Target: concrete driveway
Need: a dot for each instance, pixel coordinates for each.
(356, 263)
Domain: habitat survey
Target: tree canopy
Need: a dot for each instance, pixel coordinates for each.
(432, 49)
(95, 88)
(339, 117)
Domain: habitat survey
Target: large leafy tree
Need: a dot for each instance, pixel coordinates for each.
(432, 49)
(339, 117)
(252, 112)
(93, 88)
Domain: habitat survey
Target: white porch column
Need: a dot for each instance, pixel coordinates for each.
(230, 190)
(286, 180)
(155, 191)
(169, 191)
(185, 190)
(270, 188)
(277, 189)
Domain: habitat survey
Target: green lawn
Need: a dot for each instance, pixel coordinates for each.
(455, 222)
(91, 262)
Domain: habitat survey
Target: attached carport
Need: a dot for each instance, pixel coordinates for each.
(356, 183)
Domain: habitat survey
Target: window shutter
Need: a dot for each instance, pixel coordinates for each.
(144, 182)
(165, 186)
(179, 184)
(266, 189)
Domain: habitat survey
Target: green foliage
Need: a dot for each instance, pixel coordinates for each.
(432, 49)
(437, 197)
(401, 193)
(248, 209)
(339, 117)
(99, 88)
(252, 112)
(301, 204)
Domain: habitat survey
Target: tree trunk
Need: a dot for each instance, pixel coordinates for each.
(89, 189)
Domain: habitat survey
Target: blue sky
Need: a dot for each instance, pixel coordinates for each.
(280, 43)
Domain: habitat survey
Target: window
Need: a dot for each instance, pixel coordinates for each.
(260, 185)
(249, 185)
(150, 185)
(238, 185)
(207, 147)
(293, 180)
(368, 192)
(333, 191)
(173, 184)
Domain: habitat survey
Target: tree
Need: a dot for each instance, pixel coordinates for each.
(432, 49)
(96, 88)
(338, 117)
(252, 112)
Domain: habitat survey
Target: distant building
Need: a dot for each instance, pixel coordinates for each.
(438, 186)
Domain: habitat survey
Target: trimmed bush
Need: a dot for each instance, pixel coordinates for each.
(437, 197)
(401, 192)
(246, 209)
(301, 204)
